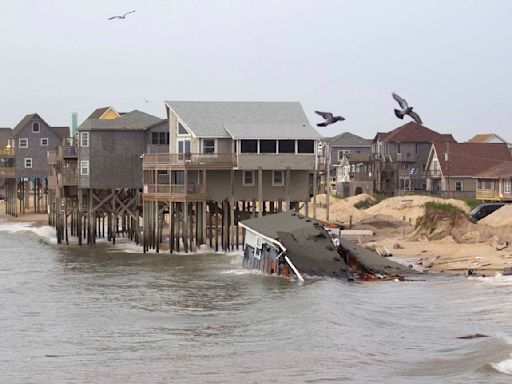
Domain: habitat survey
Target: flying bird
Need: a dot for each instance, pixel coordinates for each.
(120, 17)
(329, 118)
(406, 110)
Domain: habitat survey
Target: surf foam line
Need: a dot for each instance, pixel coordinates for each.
(45, 231)
(504, 366)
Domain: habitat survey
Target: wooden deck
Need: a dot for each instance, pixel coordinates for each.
(164, 161)
(175, 192)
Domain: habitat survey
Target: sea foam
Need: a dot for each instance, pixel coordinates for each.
(45, 232)
(504, 366)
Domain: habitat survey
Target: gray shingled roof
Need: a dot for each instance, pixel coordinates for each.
(349, 140)
(61, 132)
(135, 120)
(210, 118)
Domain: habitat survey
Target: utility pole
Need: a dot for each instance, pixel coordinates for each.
(328, 181)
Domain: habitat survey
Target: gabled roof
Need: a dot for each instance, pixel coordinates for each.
(501, 170)
(485, 138)
(413, 133)
(98, 113)
(23, 123)
(132, 121)
(469, 159)
(212, 118)
(61, 132)
(5, 134)
(347, 139)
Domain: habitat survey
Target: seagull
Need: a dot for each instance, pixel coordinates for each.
(406, 110)
(329, 118)
(120, 17)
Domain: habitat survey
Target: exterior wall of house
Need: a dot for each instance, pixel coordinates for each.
(353, 149)
(35, 151)
(218, 186)
(278, 161)
(114, 159)
(449, 185)
(150, 148)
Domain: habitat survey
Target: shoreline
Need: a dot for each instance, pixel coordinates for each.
(433, 256)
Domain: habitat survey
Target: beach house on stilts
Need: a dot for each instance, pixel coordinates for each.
(100, 189)
(27, 155)
(226, 161)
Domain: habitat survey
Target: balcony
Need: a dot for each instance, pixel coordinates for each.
(176, 192)
(69, 180)
(189, 160)
(7, 152)
(487, 194)
(69, 152)
(300, 161)
(7, 172)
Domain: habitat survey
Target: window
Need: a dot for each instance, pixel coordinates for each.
(506, 186)
(248, 180)
(35, 127)
(182, 130)
(286, 146)
(44, 142)
(84, 139)
(277, 178)
(178, 177)
(398, 148)
(342, 152)
(159, 138)
(306, 146)
(209, 146)
(458, 186)
(84, 168)
(249, 146)
(183, 146)
(268, 146)
(28, 162)
(23, 143)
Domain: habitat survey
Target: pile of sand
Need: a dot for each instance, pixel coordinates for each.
(498, 218)
(342, 209)
(410, 207)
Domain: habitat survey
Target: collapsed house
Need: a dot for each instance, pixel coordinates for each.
(295, 246)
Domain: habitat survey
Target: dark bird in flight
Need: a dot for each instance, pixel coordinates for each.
(120, 17)
(329, 118)
(406, 110)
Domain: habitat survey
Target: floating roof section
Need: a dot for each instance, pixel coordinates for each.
(307, 243)
(135, 120)
(213, 118)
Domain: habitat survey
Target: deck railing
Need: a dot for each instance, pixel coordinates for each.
(486, 194)
(69, 179)
(69, 151)
(175, 189)
(166, 159)
(7, 152)
(7, 170)
(52, 157)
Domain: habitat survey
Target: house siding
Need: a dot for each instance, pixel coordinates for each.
(38, 153)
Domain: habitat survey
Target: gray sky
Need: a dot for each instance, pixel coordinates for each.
(452, 60)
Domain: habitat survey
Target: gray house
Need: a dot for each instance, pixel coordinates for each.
(228, 159)
(31, 140)
(350, 164)
(400, 158)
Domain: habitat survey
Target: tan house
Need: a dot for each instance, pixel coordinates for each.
(227, 160)
(451, 167)
(495, 183)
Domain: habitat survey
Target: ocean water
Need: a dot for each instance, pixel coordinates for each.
(98, 315)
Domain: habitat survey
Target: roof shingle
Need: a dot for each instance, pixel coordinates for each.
(413, 133)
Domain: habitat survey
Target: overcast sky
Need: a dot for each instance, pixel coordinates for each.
(451, 60)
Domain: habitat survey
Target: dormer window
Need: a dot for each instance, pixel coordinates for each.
(35, 127)
(181, 129)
